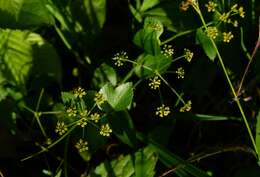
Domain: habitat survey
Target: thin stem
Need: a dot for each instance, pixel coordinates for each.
(172, 89)
(50, 146)
(196, 7)
(176, 36)
(39, 101)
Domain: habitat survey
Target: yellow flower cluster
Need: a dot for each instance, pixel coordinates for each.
(180, 73)
(99, 98)
(226, 17)
(82, 145)
(227, 37)
(163, 111)
(119, 58)
(95, 117)
(167, 51)
(105, 130)
(61, 128)
(211, 6)
(212, 32)
(72, 112)
(188, 55)
(83, 119)
(79, 92)
(186, 107)
(155, 83)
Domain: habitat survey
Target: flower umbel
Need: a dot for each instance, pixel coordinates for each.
(95, 117)
(81, 145)
(83, 119)
(61, 128)
(119, 58)
(72, 112)
(105, 130)
(162, 111)
(99, 98)
(227, 37)
(188, 55)
(154, 83)
(79, 92)
(168, 51)
(211, 6)
(212, 32)
(180, 73)
(186, 107)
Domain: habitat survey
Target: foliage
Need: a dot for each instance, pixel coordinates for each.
(129, 88)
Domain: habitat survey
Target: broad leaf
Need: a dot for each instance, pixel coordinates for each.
(148, 37)
(140, 164)
(148, 64)
(147, 4)
(24, 13)
(120, 97)
(206, 44)
(104, 74)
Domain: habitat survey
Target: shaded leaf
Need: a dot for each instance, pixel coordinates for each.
(120, 97)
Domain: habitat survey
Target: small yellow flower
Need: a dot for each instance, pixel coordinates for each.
(155, 27)
(180, 73)
(72, 112)
(95, 117)
(79, 92)
(154, 83)
(82, 145)
(99, 98)
(241, 12)
(224, 17)
(186, 107)
(163, 111)
(211, 6)
(227, 37)
(119, 58)
(212, 32)
(188, 55)
(168, 51)
(105, 130)
(61, 128)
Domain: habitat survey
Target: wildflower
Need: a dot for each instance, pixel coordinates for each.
(211, 6)
(154, 83)
(155, 27)
(119, 58)
(79, 92)
(61, 128)
(235, 23)
(168, 51)
(105, 130)
(163, 111)
(227, 37)
(241, 12)
(180, 73)
(83, 119)
(72, 112)
(95, 117)
(186, 107)
(99, 98)
(81, 145)
(212, 32)
(224, 17)
(188, 55)
(184, 6)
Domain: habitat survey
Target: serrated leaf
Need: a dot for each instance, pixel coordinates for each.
(159, 63)
(206, 44)
(120, 97)
(24, 13)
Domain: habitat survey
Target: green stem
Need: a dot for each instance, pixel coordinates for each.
(176, 36)
(196, 7)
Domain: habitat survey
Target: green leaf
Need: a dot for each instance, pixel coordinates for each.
(145, 162)
(120, 97)
(147, 4)
(24, 13)
(104, 74)
(16, 55)
(123, 127)
(169, 159)
(257, 138)
(148, 37)
(159, 63)
(206, 44)
(140, 164)
(59, 173)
